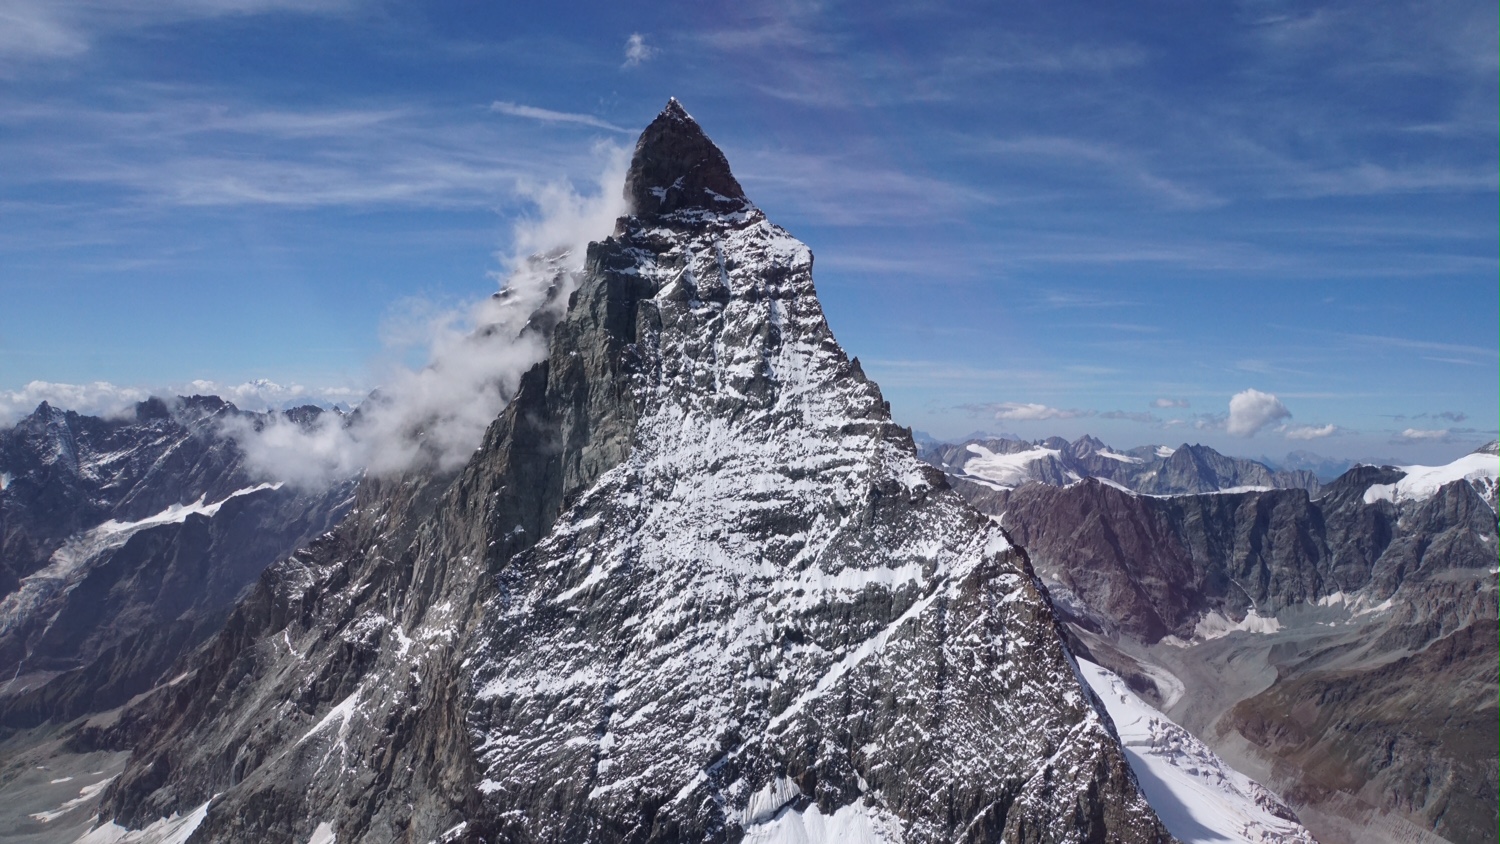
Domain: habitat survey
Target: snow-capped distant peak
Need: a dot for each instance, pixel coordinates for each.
(1481, 469)
(1007, 470)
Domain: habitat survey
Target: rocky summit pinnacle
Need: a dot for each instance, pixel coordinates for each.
(676, 167)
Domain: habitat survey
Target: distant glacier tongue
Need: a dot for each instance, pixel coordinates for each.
(695, 585)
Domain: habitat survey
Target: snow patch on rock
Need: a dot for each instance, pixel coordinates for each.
(176, 829)
(1423, 482)
(1007, 470)
(1215, 624)
(852, 824)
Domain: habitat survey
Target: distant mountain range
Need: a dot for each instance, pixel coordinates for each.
(124, 543)
(1002, 464)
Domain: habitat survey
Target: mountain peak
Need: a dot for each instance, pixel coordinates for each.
(676, 167)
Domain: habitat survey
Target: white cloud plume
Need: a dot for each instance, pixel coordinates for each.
(1311, 432)
(1031, 412)
(1252, 410)
(637, 51)
(1421, 435)
(437, 415)
(547, 115)
(1166, 402)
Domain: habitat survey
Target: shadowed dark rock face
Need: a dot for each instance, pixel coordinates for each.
(1416, 735)
(676, 167)
(693, 583)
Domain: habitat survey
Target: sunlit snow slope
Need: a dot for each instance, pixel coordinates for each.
(1197, 796)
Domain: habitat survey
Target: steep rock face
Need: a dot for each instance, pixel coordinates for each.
(694, 585)
(114, 628)
(1414, 736)
(335, 692)
(770, 603)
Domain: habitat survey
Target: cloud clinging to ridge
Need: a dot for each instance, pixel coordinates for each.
(436, 415)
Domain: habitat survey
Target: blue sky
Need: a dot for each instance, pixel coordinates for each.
(1031, 218)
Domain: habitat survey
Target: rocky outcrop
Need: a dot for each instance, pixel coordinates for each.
(694, 585)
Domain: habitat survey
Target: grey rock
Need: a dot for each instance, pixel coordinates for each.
(695, 581)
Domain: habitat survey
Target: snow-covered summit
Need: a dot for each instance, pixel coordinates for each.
(1480, 468)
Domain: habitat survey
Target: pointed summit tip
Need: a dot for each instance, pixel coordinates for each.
(676, 167)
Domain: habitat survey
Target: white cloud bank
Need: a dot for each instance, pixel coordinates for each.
(1251, 410)
(103, 398)
(1311, 432)
(100, 398)
(437, 415)
(1420, 435)
(1031, 412)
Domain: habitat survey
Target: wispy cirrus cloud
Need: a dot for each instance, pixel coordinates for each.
(637, 51)
(180, 149)
(49, 29)
(1310, 432)
(1124, 167)
(852, 189)
(547, 115)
